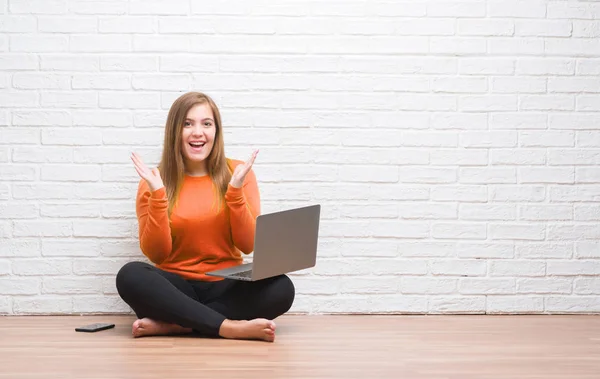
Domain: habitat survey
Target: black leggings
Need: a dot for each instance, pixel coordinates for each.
(201, 306)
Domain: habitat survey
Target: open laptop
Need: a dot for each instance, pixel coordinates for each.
(284, 241)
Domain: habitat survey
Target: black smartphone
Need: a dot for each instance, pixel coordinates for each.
(94, 327)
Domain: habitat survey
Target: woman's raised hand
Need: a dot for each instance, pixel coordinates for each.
(151, 176)
(240, 172)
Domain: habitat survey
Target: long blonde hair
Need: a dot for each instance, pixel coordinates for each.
(171, 166)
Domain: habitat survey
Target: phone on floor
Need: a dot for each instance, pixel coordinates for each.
(94, 327)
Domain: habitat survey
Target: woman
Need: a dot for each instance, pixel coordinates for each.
(197, 213)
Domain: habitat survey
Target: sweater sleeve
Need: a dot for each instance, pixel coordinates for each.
(244, 208)
(154, 226)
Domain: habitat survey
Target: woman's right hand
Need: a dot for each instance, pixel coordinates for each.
(151, 176)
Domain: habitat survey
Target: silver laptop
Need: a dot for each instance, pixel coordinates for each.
(284, 241)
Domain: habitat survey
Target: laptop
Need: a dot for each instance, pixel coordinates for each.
(284, 241)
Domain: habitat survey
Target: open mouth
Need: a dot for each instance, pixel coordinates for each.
(197, 146)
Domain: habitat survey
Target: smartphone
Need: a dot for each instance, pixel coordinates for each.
(94, 327)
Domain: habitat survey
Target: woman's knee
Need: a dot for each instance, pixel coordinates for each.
(286, 293)
(129, 275)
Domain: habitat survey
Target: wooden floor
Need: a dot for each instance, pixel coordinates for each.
(502, 347)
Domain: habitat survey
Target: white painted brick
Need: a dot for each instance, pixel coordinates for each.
(488, 27)
(486, 66)
(96, 81)
(588, 102)
(457, 46)
(38, 6)
(574, 121)
(71, 136)
(196, 25)
(586, 286)
(18, 172)
(5, 305)
(108, 191)
(109, 286)
(66, 62)
(38, 43)
(41, 118)
(546, 138)
(18, 62)
(70, 247)
(586, 66)
(370, 211)
(19, 286)
(488, 139)
(574, 157)
(119, 210)
(333, 267)
(124, 100)
(33, 267)
(428, 286)
(545, 66)
(18, 210)
(461, 121)
(455, 9)
(546, 28)
(377, 247)
(126, 24)
(483, 212)
(128, 63)
(42, 305)
(156, 7)
(121, 248)
(573, 232)
(516, 46)
(577, 193)
(19, 99)
(517, 157)
(315, 286)
(547, 102)
(514, 305)
(17, 24)
(517, 268)
(102, 228)
(458, 231)
(427, 175)
(514, 231)
(195, 63)
(160, 82)
(75, 99)
(104, 155)
(587, 249)
(370, 285)
(495, 175)
(98, 7)
(97, 266)
(478, 250)
(431, 139)
(100, 43)
(571, 304)
(486, 286)
(79, 24)
(41, 81)
(426, 249)
(102, 118)
(70, 173)
(576, 85)
(544, 285)
(459, 85)
(587, 212)
(459, 193)
(398, 266)
(457, 304)
(155, 43)
(530, 175)
(428, 211)
(520, 84)
(571, 47)
(398, 229)
(69, 285)
(587, 175)
(369, 174)
(588, 139)
(20, 136)
(539, 212)
(42, 228)
(577, 10)
(5, 267)
(100, 304)
(20, 247)
(516, 9)
(71, 209)
(127, 173)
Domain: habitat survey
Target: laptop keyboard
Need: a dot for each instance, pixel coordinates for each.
(244, 274)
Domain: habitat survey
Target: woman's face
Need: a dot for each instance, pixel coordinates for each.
(198, 136)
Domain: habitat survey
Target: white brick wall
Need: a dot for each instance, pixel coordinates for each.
(454, 145)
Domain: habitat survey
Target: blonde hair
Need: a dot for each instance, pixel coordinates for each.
(172, 167)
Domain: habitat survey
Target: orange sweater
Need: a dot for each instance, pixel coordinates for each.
(197, 239)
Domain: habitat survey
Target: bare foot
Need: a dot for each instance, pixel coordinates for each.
(257, 329)
(149, 327)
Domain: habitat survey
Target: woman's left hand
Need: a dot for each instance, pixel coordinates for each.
(240, 172)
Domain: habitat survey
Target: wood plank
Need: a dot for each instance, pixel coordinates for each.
(360, 346)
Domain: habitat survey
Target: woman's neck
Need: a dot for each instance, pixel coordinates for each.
(196, 169)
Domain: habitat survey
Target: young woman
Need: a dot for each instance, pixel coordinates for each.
(197, 213)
